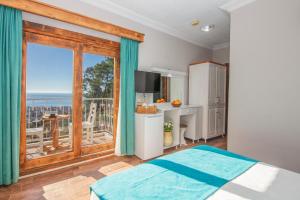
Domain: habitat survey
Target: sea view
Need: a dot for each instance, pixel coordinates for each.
(61, 103)
(49, 99)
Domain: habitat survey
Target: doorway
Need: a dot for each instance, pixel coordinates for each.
(69, 103)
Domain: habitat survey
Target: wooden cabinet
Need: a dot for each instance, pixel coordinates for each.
(207, 87)
(211, 121)
(220, 121)
(217, 85)
(212, 85)
(220, 85)
(216, 121)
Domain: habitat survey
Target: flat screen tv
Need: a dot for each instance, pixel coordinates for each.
(147, 82)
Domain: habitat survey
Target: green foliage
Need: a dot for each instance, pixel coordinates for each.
(98, 80)
(168, 126)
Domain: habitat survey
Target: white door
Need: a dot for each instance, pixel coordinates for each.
(220, 121)
(194, 80)
(211, 122)
(212, 85)
(220, 85)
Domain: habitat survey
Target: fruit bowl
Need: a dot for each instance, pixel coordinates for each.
(176, 103)
(162, 100)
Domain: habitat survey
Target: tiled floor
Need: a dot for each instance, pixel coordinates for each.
(73, 183)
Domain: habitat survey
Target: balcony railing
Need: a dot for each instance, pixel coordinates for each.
(38, 107)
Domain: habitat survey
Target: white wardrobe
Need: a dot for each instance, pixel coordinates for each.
(207, 87)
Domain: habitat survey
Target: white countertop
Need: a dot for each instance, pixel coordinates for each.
(168, 106)
(146, 114)
(162, 107)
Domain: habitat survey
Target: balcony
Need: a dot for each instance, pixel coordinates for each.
(41, 135)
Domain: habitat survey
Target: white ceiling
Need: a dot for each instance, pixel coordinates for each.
(175, 16)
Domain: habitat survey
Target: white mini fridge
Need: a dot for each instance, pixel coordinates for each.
(149, 135)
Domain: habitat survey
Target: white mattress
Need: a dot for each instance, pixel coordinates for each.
(260, 182)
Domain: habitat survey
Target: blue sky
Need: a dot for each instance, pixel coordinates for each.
(50, 69)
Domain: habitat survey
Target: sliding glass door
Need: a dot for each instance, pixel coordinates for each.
(48, 100)
(69, 85)
(98, 102)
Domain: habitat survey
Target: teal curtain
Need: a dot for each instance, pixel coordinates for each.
(10, 93)
(128, 64)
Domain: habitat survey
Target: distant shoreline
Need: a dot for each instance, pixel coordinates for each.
(48, 99)
(48, 92)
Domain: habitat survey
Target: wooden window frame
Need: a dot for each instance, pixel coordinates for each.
(79, 43)
(52, 12)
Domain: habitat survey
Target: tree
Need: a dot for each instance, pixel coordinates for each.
(98, 80)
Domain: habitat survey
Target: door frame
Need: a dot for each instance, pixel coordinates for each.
(116, 90)
(57, 37)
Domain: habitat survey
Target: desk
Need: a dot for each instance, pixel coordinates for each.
(149, 133)
(54, 127)
(191, 115)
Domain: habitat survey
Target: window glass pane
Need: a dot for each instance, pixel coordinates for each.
(98, 79)
(48, 100)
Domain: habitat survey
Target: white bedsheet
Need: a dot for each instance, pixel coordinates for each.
(260, 182)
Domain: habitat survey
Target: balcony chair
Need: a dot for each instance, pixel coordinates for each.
(40, 134)
(88, 125)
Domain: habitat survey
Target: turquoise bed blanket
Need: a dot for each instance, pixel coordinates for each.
(194, 173)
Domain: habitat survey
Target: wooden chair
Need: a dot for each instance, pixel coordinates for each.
(88, 125)
(38, 132)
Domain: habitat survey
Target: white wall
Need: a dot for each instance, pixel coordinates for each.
(264, 96)
(221, 55)
(159, 49)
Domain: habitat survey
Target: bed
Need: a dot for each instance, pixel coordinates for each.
(201, 172)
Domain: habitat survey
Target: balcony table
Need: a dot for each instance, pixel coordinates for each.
(54, 127)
